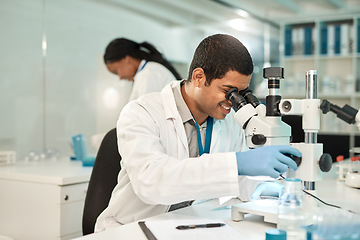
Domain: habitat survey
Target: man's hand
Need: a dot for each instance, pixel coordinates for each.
(269, 189)
(266, 161)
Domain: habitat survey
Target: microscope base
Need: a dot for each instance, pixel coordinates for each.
(266, 208)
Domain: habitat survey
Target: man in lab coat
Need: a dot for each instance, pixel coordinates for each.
(183, 144)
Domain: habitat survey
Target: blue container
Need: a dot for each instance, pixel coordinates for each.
(275, 234)
(79, 147)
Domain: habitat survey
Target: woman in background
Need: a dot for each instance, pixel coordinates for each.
(141, 63)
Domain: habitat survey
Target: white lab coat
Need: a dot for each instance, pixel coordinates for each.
(156, 168)
(152, 78)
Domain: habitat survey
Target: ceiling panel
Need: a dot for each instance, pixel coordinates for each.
(218, 13)
(282, 10)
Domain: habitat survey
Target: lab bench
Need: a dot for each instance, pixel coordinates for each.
(252, 227)
(43, 200)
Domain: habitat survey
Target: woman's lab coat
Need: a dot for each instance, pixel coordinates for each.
(152, 77)
(156, 168)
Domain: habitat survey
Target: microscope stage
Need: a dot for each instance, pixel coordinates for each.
(264, 207)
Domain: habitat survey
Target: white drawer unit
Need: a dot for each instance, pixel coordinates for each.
(72, 199)
(43, 200)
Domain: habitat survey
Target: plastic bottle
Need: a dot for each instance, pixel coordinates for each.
(342, 169)
(356, 167)
(354, 164)
(291, 216)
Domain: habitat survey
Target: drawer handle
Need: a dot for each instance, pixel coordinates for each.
(66, 197)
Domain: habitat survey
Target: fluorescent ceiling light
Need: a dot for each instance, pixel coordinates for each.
(238, 24)
(242, 13)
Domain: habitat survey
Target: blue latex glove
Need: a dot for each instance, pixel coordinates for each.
(269, 189)
(266, 161)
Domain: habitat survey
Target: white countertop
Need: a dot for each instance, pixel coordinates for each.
(253, 227)
(61, 172)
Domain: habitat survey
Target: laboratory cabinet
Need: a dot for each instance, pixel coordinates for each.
(330, 45)
(43, 200)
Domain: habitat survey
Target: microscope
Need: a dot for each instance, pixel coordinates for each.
(263, 126)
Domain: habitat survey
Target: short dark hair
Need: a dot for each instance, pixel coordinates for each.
(218, 54)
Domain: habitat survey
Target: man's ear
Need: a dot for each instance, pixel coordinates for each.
(198, 77)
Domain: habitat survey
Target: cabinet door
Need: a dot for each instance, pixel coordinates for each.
(28, 210)
(72, 199)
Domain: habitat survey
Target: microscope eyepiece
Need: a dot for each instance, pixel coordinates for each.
(250, 97)
(237, 100)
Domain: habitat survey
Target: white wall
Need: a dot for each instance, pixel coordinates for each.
(45, 99)
(20, 74)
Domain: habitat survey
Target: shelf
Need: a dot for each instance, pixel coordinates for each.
(293, 96)
(331, 46)
(334, 96)
(336, 57)
(320, 96)
(299, 58)
(319, 56)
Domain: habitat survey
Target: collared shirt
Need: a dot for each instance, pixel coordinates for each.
(191, 133)
(189, 123)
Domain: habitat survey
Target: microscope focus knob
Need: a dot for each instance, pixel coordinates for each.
(325, 162)
(296, 159)
(258, 139)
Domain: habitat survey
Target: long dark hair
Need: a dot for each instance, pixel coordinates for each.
(122, 47)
